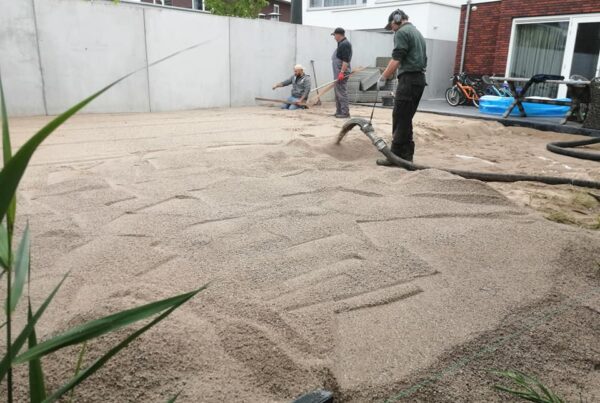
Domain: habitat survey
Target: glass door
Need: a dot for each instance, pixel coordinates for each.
(586, 52)
(582, 50)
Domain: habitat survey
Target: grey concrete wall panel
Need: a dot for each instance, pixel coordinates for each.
(198, 78)
(440, 55)
(19, 62)
(262, 53)
(316, 44)
(368, 46)
(85, 46)
(54, 53)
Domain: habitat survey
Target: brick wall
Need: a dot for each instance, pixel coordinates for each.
(285, 9)
(491, 24)
(481, 42)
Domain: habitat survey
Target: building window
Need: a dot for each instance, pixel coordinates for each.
(198, 5)
(563, 45)
(335, 3)
(275, 14)
(539, 49)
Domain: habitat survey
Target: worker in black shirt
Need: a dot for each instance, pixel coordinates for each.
(341, 69)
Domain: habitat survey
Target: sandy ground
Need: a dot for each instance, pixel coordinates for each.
(324, 269)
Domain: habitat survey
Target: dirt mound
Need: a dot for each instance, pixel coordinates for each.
(354, 148)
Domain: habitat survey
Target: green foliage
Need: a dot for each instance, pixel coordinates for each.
(21, 268)
(174, 398)
(78, 367)
(528, 388)
(10, 177)
(99, 327)
(3, 247)
(37, 385)
(236, 8)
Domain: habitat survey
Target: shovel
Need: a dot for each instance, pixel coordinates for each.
(312, 62)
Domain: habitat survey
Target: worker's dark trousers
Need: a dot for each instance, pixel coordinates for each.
(408, 94)
(341, 98)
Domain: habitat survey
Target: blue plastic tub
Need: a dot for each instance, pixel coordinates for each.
(494, 105)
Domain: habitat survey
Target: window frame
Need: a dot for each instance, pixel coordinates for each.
(357, 4)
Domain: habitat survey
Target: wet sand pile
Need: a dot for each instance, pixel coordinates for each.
(325, 270)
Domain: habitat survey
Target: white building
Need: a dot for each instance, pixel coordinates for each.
(436, 20)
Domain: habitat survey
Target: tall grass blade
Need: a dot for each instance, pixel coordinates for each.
(113, 351)
(6, 156)
(99, 327)
(21, 269)
(174, 398)
(527, 385)
(78, 368)
(37, 386)
(3, 246)
(6, 147)
(5, 364)
(14, 169)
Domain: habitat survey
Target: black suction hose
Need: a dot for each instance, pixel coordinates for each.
(562, 147)
(381, 145)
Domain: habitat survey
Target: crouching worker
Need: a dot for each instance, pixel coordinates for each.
(300, 89)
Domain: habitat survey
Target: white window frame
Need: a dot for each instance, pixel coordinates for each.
(275, 15)
(572, 37)
(573, 20)
(359, 3)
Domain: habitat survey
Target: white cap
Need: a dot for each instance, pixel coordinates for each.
(298, 67)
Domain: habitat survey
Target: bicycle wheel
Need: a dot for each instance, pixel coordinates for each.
(491, 90)
(475, 102)
(453, 96)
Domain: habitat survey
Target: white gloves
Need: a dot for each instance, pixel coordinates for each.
(381, 83)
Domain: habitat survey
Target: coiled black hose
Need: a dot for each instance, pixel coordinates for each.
(563, 148)
(381, 145)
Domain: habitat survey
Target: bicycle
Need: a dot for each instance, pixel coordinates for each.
(492, 89)
(464, 89)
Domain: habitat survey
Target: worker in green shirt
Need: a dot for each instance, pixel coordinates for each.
(410, 61)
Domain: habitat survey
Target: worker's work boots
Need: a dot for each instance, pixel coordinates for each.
(405, 152)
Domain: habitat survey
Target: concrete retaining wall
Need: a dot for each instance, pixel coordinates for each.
(261, 53)
(84, 47)
(198, 78)
(19, 59)
(54, 53)
(440, 67)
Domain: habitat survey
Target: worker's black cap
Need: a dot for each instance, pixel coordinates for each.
(339, 30)
(396, 15)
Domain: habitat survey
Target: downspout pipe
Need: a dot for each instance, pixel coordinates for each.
(465, 34)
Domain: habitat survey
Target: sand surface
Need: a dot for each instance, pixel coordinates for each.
(324, 269)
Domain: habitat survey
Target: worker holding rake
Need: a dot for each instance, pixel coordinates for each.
(300, 83)
(340, 60)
